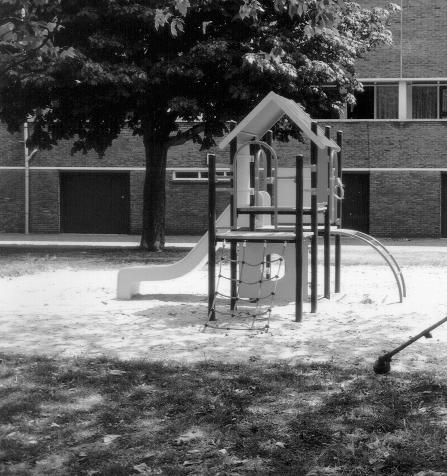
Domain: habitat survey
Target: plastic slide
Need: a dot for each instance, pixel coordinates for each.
(129, 279)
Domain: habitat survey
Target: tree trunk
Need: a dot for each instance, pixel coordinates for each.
(154, 197)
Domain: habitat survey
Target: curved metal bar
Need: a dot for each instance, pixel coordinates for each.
(386, 250)
(383, 247)
(258, 142)
(349, 233)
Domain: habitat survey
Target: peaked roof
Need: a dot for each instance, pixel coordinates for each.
(267, 113)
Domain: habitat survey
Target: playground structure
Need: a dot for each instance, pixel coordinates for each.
(275, 215)
(274, 208)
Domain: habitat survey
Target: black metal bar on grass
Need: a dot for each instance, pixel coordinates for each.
(383, 363)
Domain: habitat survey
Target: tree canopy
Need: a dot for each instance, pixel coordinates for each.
(143, 64)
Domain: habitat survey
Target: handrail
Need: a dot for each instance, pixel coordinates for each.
(381, 245)
(349, 233)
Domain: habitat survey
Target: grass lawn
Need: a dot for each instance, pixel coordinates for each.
(90, 415)
(15, 261)
(109, 417)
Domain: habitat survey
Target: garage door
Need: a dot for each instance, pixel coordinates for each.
(94, 202)
(444, 205)
(356, 201)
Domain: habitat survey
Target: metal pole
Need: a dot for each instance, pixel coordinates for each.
(25, 139)
(383, 363)
(424, 333)
(299, 239)
(327, 225)
(314, 222)
(28, 157)
(211, 236)
(233, 225)
(339, 216)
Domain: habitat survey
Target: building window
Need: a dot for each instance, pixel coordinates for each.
(377, 101)
(425, 102)
(199, 175)
(364, 107)
(443, 101)
(429, 101)
(387, 101)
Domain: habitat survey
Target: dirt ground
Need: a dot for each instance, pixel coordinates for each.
(70, 312)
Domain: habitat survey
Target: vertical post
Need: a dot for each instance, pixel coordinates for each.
(233, 224)
(26, 151)
(299, 239)
(268, 138)
(327, 224)
(211, 236)
(253, 150)
(339, 214)
(314, 222)
(402, 107)
(28, 156)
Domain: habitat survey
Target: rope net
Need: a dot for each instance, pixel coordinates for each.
(252, 312)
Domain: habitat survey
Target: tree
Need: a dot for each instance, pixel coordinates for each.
(23, 36)
(140, 65)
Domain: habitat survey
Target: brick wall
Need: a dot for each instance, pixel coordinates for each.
(187, 207)
(11, 148)
(409, 144)
(405, 204)
(44, 203)
(424, 32)
(424, 38)
(126, 151)
(12, 202)
(373, 65)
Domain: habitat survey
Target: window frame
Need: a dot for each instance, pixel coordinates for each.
(438, 85)
(374, 85)
(223, 174)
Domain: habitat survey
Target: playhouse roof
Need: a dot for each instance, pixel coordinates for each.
(267, 113)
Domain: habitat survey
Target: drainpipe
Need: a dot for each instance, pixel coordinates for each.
(28, 157)
(401, 38)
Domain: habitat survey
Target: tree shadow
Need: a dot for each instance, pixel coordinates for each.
(175, 297)
(107, 416)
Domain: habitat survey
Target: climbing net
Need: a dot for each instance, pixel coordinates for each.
(247, 313)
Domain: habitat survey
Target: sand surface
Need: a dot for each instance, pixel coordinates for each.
(69, 313)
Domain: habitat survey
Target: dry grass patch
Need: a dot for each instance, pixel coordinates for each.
(106, 417)
(15, 261)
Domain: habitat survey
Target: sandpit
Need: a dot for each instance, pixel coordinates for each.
(70, 313)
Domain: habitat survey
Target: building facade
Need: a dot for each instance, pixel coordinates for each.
(395, 155)
(395, 150)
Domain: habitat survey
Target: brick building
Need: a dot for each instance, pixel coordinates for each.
(395, 154)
